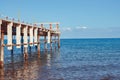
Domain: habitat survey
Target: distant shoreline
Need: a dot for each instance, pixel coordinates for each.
(90, 38)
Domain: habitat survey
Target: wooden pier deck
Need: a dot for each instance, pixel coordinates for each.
(23, 31)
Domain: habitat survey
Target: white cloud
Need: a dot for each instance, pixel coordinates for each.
(66, 29)
(73, 28)
(81, 27)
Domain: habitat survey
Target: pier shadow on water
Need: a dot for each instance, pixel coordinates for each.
(16, 68)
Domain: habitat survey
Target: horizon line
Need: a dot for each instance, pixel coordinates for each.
(94, 38)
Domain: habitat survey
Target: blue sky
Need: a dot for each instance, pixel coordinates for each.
(78, 18)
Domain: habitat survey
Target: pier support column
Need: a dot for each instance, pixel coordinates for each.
(22, 48)
(9, 35)
(38, 45)
(25, 42)
(25, 53)
(50, 37)
(35, 36)
(1, 50)
(45, 43)
(57, 29)
(12, 46)
(51, 42)
(58, 40)
(55, 42)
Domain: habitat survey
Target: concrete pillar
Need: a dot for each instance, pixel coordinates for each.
(55, 42)
(25, 53)
(1, 51)
(22, 48)
(30, 38)
(45, 43)
(57, 29)
(18, 35)
(51, 42)
(1, 47)
(12, 46)
(38, 45)
(9, 35)
(25, 42)
(0, 28)
(58, 40)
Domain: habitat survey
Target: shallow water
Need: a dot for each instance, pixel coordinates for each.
(77, 59)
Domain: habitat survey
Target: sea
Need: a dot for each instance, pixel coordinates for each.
(76, 59)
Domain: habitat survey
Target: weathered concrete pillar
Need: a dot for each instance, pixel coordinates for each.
(38, 45)
(58, 40)
(22, 48)
(2, 50)
(45, 43)
(9, 35)
(18, 35)
(57, 29)
(0, 42)
(50, 37)
(12, 46)
(35, 36)
(25, 53)
(30, 38)
(55, 42)
(25, 42)
(51, 42)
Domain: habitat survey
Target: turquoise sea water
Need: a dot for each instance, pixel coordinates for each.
(77, 59)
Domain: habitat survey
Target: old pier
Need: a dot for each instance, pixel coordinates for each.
(26, 35)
